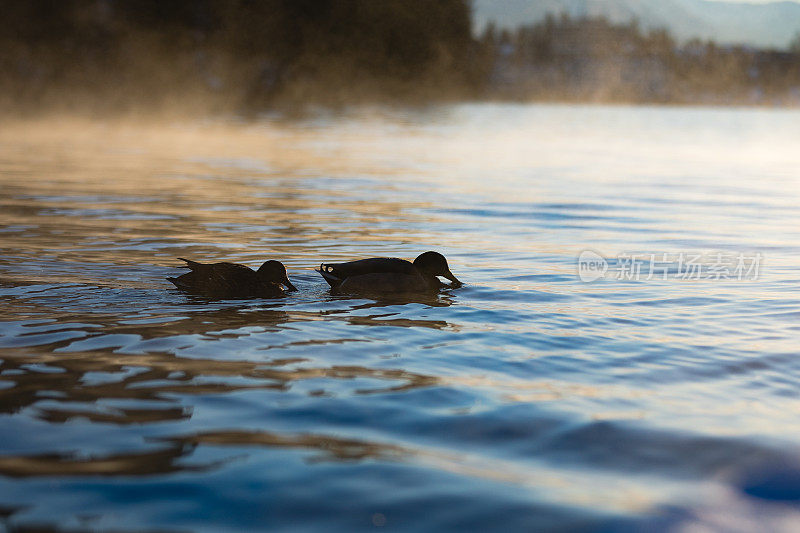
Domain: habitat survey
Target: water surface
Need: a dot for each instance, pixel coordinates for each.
(525, 400)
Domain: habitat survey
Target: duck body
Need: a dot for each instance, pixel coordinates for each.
(234, 281)
(389, 274)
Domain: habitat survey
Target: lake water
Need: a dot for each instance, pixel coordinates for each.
(527, 400)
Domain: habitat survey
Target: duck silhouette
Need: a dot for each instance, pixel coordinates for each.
(231, 280)
(389, 274)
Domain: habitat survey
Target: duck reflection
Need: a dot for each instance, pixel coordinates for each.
(441, 299)
(226, 319)
(389, 316)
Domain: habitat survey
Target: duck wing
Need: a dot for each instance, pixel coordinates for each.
(385, 283)
(231, 279)
(223, 279)
(336, 273)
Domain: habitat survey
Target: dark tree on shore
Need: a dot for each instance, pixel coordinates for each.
(247, 49)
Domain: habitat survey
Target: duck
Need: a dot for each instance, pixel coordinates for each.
(234, 281)
(389, 274)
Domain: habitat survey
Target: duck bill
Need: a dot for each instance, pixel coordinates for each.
(449, 275)
(288, 284)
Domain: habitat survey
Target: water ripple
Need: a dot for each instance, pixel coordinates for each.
(524, 400)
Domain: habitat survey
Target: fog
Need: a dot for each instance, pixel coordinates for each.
(106, 56)
(144, 57)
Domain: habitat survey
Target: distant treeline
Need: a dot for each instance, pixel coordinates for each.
(250, 55)
(592, 59)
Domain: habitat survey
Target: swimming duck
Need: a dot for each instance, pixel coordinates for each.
(229, 280)
(389, 274)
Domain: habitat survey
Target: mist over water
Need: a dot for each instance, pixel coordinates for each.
(525, 400)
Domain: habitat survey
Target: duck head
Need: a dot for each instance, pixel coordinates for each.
(434, 264)
(275, 272)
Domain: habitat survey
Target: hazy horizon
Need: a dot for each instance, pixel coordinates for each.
(762, 24)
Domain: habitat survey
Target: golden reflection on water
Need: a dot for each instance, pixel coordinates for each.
(161, 461)
(28, 376)
(152, 190)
